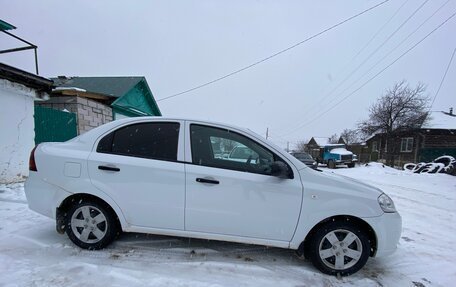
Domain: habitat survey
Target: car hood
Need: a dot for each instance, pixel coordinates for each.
(339, 183)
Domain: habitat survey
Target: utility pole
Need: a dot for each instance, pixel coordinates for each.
(267, 133)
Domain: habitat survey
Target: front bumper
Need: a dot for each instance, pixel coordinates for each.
(344, 161)
(388, 229)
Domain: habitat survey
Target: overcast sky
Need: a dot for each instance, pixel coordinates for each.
(177, 45)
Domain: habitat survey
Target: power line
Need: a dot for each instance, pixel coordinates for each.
(375, 76)
(332, 99)
(377, 33)
(391, 51)
(385, 41)
(273, 55)
(377, 49)
(356, 55)
(443, 79)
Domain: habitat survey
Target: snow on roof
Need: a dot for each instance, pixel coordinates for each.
(372, 136)
(68, 89)
(440, 120)
(321, 141)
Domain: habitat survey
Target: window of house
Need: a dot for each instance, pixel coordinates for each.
(374, 147)
(220, 148)
(147, 140)
(406, 144)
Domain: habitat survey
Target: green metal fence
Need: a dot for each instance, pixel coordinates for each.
(54, 125)
(429, 154)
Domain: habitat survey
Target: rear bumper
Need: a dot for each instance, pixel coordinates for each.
(388, 229)
(43, 197)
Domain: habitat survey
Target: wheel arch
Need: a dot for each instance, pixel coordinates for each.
(61, 210)
(303, 247)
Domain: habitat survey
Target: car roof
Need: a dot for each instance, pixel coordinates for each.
(157, 118)
(93, 134)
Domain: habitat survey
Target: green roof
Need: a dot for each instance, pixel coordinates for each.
(6, 26)
(108, 86)
(133, 96)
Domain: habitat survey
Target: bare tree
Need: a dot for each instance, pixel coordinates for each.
(350, 136)
(401, 108)
(334, 139)
(301, 146)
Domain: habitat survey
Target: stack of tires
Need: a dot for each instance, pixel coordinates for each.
(444, 164)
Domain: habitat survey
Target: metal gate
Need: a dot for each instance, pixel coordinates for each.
(54, 125)
(429, 154)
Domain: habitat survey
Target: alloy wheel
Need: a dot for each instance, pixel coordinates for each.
(89, 224)
(340, 249)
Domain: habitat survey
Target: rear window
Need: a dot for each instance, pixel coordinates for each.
(145, 140)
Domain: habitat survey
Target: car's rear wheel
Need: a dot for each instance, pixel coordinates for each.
(351, 165)
(90, 225)
(339, 248)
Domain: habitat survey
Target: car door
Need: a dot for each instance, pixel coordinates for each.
(138, 166)
(237, 197)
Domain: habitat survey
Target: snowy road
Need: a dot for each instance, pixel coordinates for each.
(33, 254)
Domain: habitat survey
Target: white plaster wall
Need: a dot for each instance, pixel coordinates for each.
(17, 134)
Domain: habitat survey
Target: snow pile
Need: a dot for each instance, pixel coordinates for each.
(377, 168)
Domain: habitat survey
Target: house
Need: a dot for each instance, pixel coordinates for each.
(361, 150)
(434, 138)
(18, 91)
(98, 100)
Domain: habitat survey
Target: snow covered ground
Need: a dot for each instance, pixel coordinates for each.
(33, 254)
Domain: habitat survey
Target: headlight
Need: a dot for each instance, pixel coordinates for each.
(386, 203)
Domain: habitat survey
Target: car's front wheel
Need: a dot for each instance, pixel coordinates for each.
(339, 248)
(90, 225)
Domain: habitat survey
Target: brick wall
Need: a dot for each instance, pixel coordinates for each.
(90, 114)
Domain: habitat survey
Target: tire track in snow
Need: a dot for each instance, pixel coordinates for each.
(13, 200)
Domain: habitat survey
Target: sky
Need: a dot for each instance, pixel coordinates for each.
(318, 88)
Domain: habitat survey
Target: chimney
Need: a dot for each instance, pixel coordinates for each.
(451, 111)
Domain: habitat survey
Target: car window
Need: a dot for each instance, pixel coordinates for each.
(302, 156)
(226, 149)
(146, 140)
(243, 152)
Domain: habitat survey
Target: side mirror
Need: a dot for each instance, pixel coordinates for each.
(279, 169)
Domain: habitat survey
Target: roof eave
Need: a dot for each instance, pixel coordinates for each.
(27, 79)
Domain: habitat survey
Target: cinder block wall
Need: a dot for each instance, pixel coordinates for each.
(90, 114)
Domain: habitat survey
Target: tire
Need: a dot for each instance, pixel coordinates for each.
(351, 165)
(91, 225)
(331, 164)
(329, 253)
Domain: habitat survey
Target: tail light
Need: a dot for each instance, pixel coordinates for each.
(32, 163)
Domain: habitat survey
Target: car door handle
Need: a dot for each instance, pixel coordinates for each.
(205, 180)
(110, 168)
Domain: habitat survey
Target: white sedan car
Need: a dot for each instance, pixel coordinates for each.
(162, 176)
